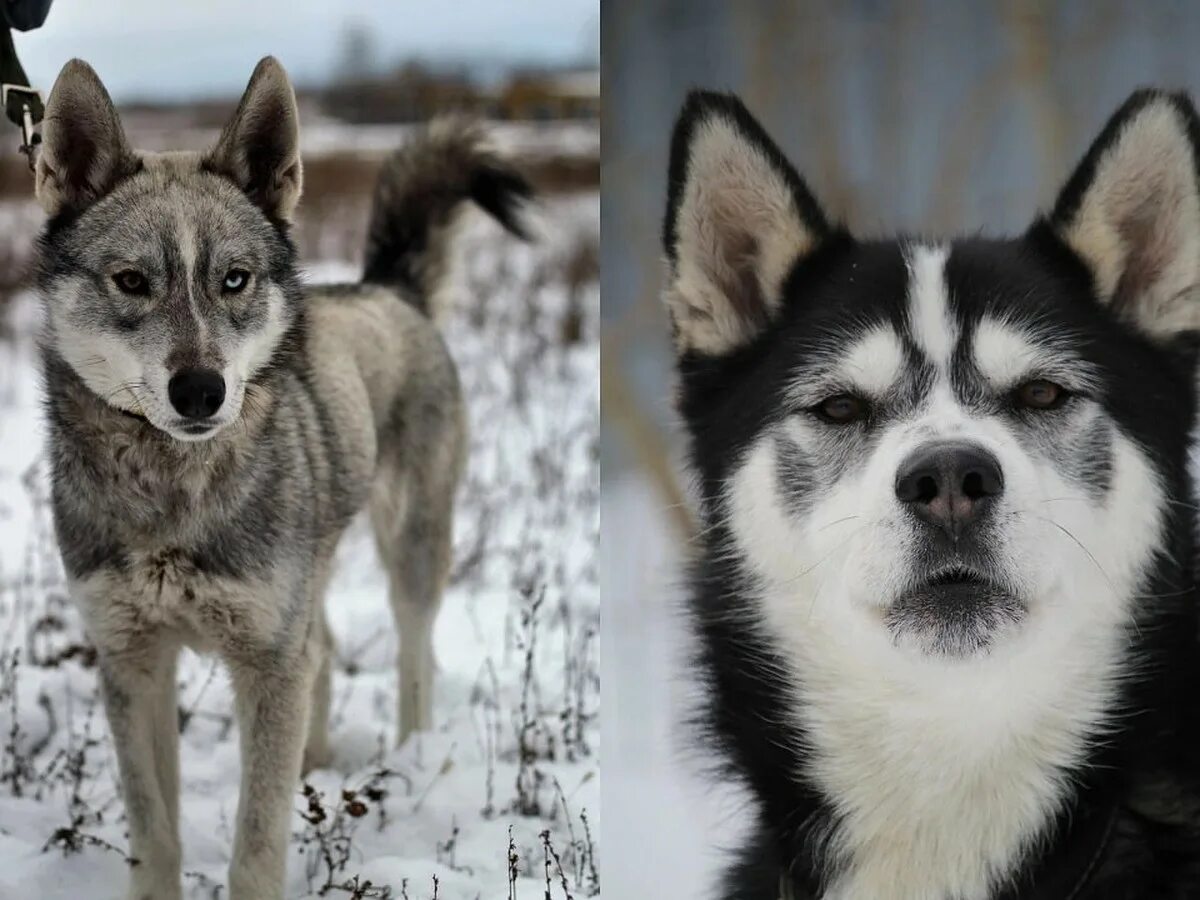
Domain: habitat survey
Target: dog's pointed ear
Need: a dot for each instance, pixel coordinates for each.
(84, 152)
(738, 219)
(259, 149)
(1131, 212)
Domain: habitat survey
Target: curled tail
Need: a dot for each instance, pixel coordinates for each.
(420, 188)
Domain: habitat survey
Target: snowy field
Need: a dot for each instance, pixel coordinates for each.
(502, 799)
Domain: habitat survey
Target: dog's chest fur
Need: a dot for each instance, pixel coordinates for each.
(945, 802)
(220, 544)
(164, 592)
(941, 780)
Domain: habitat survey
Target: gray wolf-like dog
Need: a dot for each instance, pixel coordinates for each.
(214, 426)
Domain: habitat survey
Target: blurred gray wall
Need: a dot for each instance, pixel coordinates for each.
(931, 117)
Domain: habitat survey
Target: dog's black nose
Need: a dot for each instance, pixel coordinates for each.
(949, 484)
(196, 393)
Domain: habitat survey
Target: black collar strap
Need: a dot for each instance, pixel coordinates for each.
(19, 94)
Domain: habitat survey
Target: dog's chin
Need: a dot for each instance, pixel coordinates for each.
(956, 614)
(192, 432)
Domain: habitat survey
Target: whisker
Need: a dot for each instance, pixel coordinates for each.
(837, 522)
(828, 555)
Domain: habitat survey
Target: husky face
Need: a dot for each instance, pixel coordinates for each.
(937, 449)
(936, 444)
(941, 474)
(168, 279)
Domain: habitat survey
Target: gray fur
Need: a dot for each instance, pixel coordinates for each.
(418, 193)
(340, 399)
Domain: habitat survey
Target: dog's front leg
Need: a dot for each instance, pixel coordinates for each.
(273, 694)
(139, 699)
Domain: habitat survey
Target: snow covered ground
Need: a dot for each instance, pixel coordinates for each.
(502, 799)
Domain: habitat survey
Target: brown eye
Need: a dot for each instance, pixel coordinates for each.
(1041, 394)
(842, 409)
(131, 281)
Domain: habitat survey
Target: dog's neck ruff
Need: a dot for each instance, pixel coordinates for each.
(1066, 870)
(1062, 872)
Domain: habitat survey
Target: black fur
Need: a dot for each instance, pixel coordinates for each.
(1131, 828)
(419, 189)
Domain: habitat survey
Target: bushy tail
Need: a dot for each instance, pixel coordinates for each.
(419, 190)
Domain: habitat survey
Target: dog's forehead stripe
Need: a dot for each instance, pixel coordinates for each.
(932, 327)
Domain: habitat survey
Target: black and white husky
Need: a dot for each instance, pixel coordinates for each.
(945, 598)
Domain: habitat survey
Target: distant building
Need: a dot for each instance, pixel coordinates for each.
(550, 95)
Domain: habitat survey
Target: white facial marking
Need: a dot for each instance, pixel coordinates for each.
(185, 239)
(256, 350)
(871, 365)
(943, 771)
(928, 309)
(1005, 353)
(874, 363)
(107, 366)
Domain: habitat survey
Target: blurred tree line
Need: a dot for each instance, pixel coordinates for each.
(366, 91)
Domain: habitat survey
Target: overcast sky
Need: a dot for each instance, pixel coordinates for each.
(194, 48)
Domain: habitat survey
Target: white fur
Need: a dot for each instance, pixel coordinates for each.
(186, 241)
(871, 364)
(874, 363)
(1008, 354)
(929, 316)
(107, 365)
(256, 351)
(943, 770)
(1005, 354)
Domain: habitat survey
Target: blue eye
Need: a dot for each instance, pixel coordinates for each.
(235, 281)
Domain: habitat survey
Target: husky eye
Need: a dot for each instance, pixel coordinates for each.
(1041, 394)
(235, 281)
(131, 281)
(841, 409)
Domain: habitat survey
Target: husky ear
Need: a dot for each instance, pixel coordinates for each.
(84, 151)
(259, 150)
(1131, 212)
(738, 218)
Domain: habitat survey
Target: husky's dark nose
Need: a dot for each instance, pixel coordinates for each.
(196, 393)
(949, 484)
